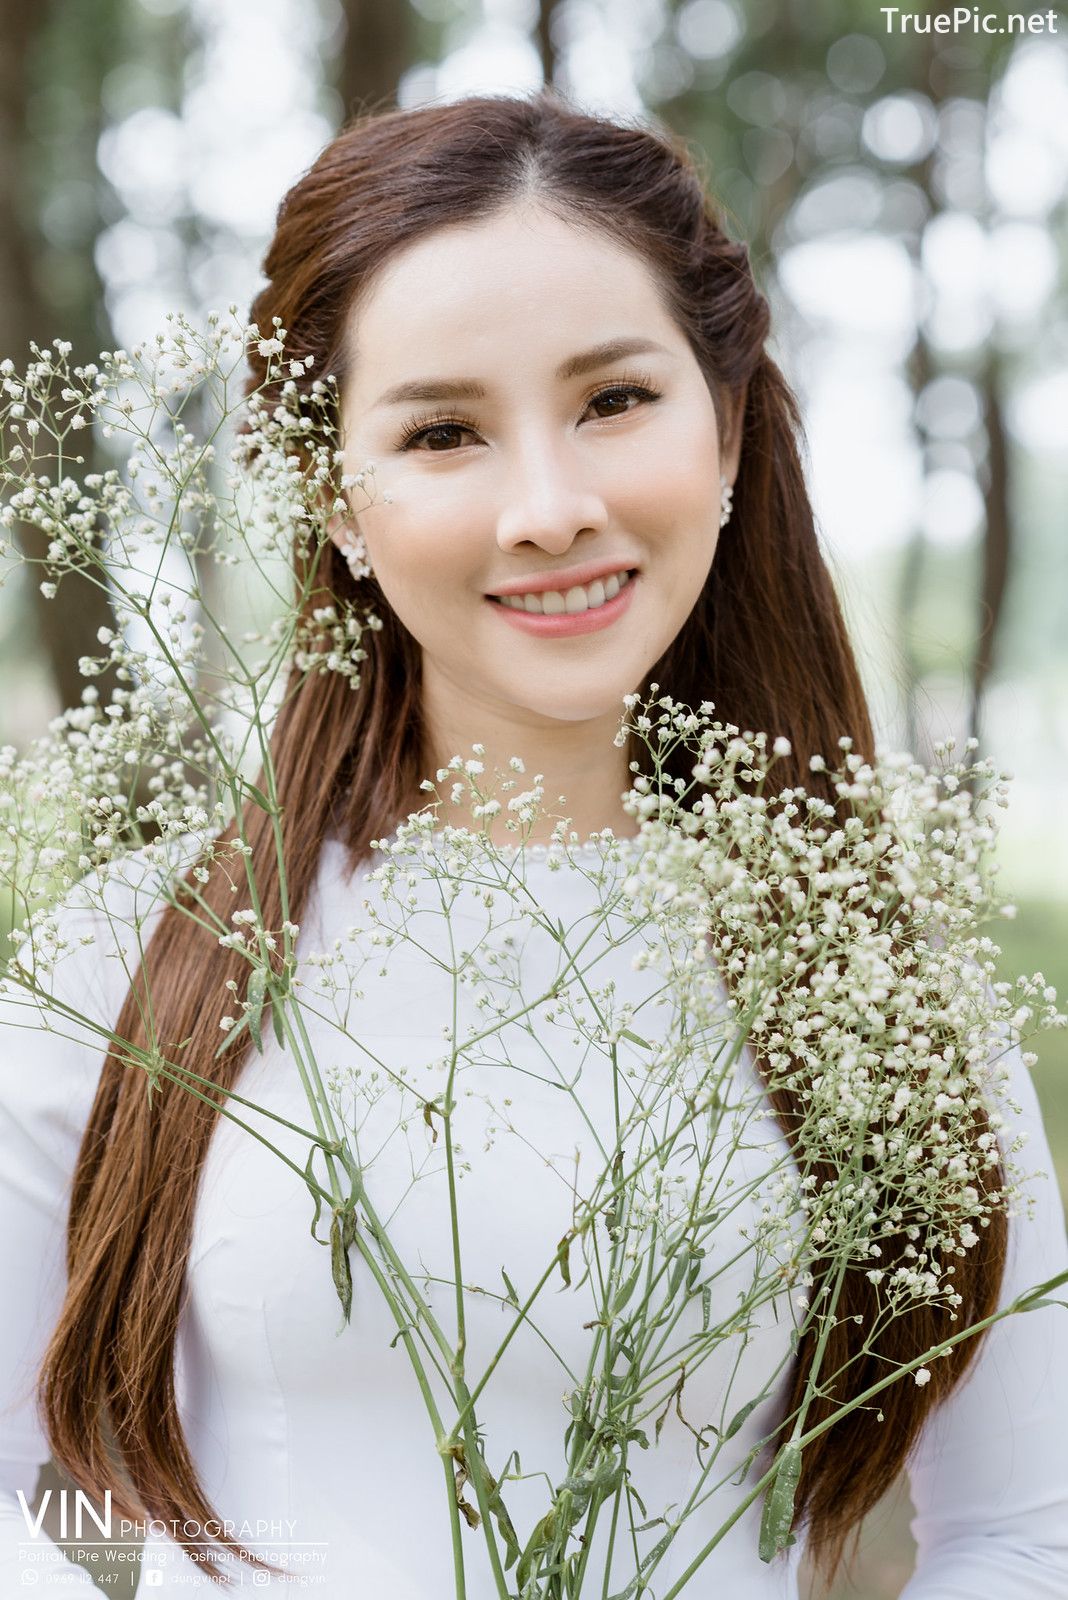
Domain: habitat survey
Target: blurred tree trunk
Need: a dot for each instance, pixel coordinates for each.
(543, 38)
(920, 369)
(55, 57)
(788, 53)
(378, 48)
(998, 544)
(18, 308)
(794, 52)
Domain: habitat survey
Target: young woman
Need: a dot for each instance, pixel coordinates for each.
(589, 480)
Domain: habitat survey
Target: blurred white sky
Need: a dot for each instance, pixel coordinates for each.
(254, 115)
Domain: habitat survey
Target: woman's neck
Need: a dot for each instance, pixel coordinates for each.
(584, 774)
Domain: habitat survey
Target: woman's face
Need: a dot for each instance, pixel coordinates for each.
(544, 433)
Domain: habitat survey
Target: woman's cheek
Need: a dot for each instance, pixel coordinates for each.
(425, 566)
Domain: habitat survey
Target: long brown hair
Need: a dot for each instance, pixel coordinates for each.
(765, 642)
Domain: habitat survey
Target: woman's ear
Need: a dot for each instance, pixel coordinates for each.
(345, 533)
(730, 445)
(343, 526)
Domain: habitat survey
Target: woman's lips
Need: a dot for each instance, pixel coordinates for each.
(565, 624)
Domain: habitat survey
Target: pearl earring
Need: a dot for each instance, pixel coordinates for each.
(356, 557)
(726, 497)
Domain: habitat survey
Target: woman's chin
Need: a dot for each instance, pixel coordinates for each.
(571, 708)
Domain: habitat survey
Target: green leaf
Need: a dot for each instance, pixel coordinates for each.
(543, 1532)
(706, 1306)
(637, 1584)
(624, 1293)
(513, 1298)
(613, 1215)
(499, 1513)
(636, 1039)
(259, 797)
(778, 1514)
(743, 1471)
(737, 1420)
(339, 1263)
(678, 1273)
(640, 1503)
(257, 991)
(563, 1257)
(314, 1192)
(276, 1019)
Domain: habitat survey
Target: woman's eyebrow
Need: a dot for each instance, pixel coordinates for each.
(599, 355)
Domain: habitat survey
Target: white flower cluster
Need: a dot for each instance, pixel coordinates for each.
(854, 967)
(829, 937)
(172, 701)
(70, 802)
(825, 943)
(139, 396)
(826, 935)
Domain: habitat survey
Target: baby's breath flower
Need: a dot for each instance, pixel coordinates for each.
(835, 937)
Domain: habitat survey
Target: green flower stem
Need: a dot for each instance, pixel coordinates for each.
(473, 1395)
(450, 1165)
(593, 1210)
(473, 1456)
(1018, 1306)
(181, 1076)
(175, 1071)
(611, 1541)
(398, 1269)
(405, 1334)
(292, 1024)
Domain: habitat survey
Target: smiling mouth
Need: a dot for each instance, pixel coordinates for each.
(581, 597)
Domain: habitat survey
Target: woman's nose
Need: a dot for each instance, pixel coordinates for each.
(548, 502)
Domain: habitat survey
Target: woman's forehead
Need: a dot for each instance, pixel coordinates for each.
(511, 286)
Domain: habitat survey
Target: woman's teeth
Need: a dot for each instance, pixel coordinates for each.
(583, 597)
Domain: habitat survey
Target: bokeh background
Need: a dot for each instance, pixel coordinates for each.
(904, 197)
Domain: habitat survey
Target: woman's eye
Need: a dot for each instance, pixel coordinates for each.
(441, 434)
(433, 433)
(623, 392)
